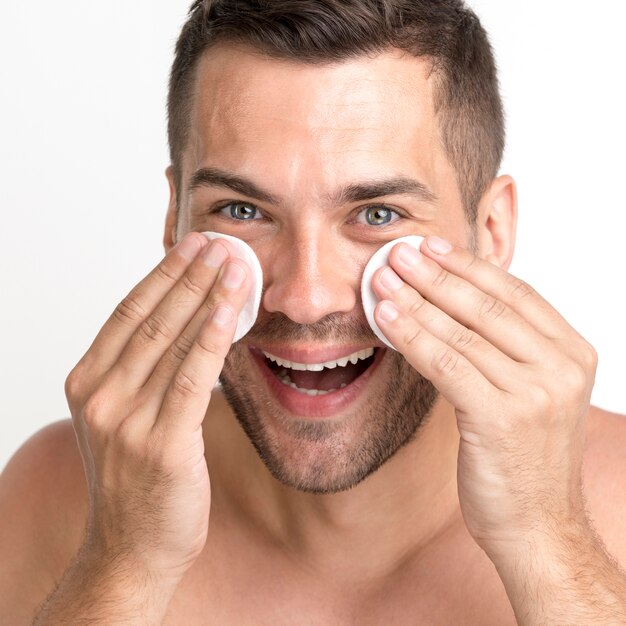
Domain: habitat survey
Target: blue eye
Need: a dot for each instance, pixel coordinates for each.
(378, 215)
(241, 211)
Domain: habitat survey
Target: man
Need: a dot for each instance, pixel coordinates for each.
(438, 483)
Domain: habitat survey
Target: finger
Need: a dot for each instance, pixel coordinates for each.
(162, 327)
(450, 372)
(496, 282)
(225, 293)
(148, 400)
(188, 395)
(139, 303)
(481, 312)
(495, 366)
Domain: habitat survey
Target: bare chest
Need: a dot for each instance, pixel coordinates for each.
(259, 592)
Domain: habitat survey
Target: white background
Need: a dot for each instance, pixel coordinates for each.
(83, 196)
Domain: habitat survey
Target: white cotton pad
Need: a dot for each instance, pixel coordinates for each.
(379, 259)
(250, 310)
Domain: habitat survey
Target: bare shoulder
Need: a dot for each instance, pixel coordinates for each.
(605, 478)
(43, 506)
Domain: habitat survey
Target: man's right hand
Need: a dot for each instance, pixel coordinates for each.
(138, 398)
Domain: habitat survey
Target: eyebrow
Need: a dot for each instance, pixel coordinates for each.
(399, 185)
(212, 177)
(354, 192)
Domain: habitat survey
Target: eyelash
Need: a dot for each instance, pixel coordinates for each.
(385, 208)
(225, 205)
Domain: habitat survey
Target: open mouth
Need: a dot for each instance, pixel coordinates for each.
(318, 379)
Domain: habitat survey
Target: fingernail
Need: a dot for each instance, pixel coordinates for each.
(215, 255)
(189, 246)
(222, 316)
(438, 245)
(390, 279)
(233, 276)
(387, 311)
(409, 255)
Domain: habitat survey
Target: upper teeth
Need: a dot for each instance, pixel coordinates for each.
(317, 367)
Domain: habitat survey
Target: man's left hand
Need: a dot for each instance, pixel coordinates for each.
(518, 375)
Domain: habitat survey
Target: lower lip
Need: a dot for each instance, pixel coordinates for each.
(327, 405)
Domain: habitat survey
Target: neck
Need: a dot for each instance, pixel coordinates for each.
(392, 517)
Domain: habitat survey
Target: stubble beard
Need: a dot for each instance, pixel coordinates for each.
(326, 456)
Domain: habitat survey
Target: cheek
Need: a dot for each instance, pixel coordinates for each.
(451, 221)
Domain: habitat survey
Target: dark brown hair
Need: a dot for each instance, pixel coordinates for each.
(467, 99)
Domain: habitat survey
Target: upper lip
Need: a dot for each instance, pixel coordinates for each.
(313, 354)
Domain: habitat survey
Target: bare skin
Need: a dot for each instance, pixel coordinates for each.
(245, 576)
(400, 547)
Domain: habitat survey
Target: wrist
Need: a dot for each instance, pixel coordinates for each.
(542, 545)
(538, 528)
(108, 589)
(139, 565)
(561, 574)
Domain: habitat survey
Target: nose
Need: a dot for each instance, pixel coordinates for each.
(310, 275)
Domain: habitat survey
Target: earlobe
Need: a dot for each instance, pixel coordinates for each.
(171, 218)
(498, 222)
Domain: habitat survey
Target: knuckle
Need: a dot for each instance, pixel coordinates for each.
(589, 356)
(74, 384)
(94, 412)
(190, 285)
(491, 309)
(416, 306)
(446, 362)
(183, 385)
(412, 338)
(518, 289)
(540, 398)
(208, 306)
(165, 273)
(154, 329)
(461, 338)
(129, 311)
(440, 278)
(180, 348)
(469, 266)
(574, 378)
(208, 346)
(129, 437)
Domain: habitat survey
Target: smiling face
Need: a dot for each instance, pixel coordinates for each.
(316, 167)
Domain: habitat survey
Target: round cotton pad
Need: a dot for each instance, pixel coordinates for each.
(250, 310)
(379, 259)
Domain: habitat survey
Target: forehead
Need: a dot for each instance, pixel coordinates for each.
(312, 127)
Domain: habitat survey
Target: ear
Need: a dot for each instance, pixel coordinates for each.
(497, 222)
(171, 218)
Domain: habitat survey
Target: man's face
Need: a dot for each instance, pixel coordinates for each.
(306, 136)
